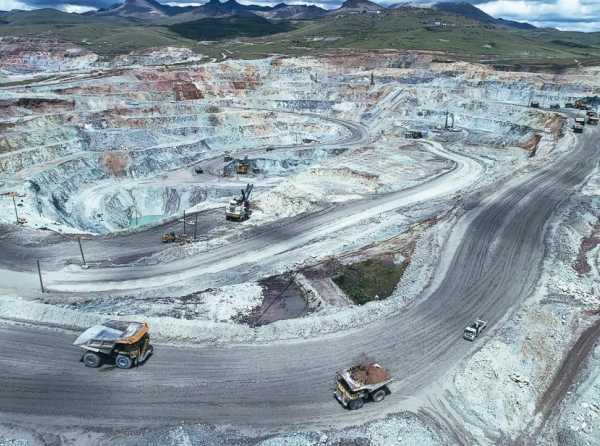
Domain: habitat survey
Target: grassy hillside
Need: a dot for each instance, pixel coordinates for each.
(425, 29)
(229, 27)
(250, 37)
(104, 35)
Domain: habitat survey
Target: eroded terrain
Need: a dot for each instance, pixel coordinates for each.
(356, 235)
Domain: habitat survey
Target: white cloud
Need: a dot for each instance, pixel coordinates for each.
(570, 26)
(182, 4)
(7, 5)
(574, 15)
(79, 9)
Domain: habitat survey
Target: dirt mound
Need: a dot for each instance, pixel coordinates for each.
(369, 374)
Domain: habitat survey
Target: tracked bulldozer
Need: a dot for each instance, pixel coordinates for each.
(238, 209)
(122, 342)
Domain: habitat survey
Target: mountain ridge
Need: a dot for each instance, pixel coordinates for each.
(153, 12)
(472, 12)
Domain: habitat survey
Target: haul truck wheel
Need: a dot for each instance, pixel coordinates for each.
(91, 359)
(123, 362)
(146, 355)
(356, 404)
(378, 396)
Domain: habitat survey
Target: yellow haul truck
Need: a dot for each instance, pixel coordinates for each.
(125, 343)
(362, 383)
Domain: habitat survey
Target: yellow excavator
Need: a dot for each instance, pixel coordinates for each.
(169, 237)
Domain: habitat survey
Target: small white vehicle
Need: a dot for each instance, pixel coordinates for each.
(474, 329)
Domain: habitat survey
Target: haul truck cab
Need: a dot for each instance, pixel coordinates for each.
(474, 329)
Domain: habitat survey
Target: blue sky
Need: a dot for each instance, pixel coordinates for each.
(576, 15)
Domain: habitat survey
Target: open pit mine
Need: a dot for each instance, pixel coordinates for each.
(240, 233)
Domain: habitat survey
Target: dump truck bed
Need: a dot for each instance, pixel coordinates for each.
(367, 377)
(113, 332)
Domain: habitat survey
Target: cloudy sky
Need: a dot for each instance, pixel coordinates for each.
(576, 15)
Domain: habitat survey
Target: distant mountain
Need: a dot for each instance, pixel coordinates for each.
(253, 7)
(293, 12)
(466, 10)
(230, 8)
(235, 7)
(212, 9)
(45, 16)
(357, 6)
(415, 4)
(471, 12)
(514, 24)
(145, 10)
(151, 11)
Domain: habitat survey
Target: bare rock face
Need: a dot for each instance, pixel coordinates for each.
(156, 56)
(132, 120)
(27, 55)
(359, 6)
(185, 91)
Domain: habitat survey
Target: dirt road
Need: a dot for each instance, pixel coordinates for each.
(494, 266)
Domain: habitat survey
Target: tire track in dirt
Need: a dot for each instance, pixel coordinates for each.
(568, 372)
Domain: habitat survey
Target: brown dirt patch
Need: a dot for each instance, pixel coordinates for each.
(369, 374)
(531, 145)
(592, 312)
(115, 163)
(185, 91)
(581, 264)
(36, 104)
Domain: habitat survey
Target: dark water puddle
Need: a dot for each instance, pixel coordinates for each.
(283, 299)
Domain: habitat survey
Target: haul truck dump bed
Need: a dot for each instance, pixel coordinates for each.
(125, 343)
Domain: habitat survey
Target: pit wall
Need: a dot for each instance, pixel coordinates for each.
(154, 145)
(117, 206)
(141, 122)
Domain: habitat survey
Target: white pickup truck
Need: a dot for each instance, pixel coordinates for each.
(474, 329)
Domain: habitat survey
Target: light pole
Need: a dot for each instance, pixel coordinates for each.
(15, 206)
(81, 251)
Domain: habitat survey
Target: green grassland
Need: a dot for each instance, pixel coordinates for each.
(372, 279)
(411, 29)
(454, 36)
(106, 36)
(229, 27)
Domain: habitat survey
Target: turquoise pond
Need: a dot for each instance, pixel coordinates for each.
(144, 220)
